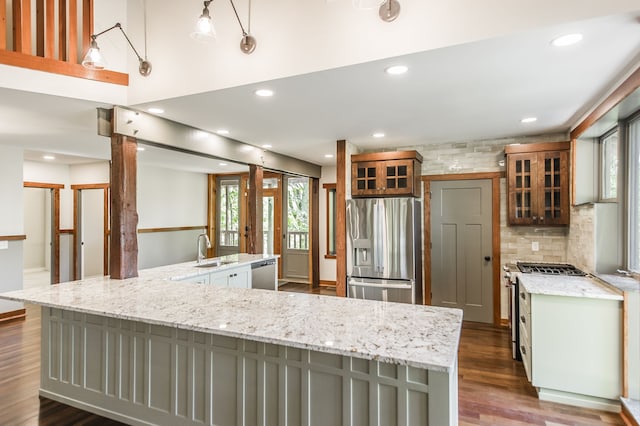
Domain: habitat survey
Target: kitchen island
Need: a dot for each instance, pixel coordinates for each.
(149, 350)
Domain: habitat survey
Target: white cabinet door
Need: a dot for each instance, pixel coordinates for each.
(219, 279)
(240, 277)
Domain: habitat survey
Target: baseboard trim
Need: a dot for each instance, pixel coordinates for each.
(325, 283)
(504, 322)
(627, 417)
(17, 315)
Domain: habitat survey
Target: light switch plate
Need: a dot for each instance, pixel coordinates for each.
(535, 246)
(4, 245)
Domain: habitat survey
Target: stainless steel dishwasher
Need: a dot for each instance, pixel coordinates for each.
(264, 274)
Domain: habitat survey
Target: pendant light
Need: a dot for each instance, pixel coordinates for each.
(205, 31)
(94, 60)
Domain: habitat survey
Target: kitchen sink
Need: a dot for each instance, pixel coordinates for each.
(215, 263)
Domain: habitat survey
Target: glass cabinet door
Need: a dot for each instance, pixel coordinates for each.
(522, 176)
(553, 184)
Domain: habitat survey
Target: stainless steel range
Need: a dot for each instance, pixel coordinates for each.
(558, 269)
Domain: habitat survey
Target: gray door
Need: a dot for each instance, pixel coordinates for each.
(461, 272)
(295, 222)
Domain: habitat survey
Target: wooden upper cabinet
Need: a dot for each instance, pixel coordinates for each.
(386, 174)
(538, 184)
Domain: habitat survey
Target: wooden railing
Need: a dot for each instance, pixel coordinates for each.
(298, 240)
(229, 238)
(57, 36)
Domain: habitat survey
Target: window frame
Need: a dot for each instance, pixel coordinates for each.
(331, 189)
(632, 174)
(603, 164)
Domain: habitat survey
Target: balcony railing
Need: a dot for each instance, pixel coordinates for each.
(52, 46)
(298, 240)
(229, 238)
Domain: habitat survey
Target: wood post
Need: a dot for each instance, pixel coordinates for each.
(254, 218)
(314, 206)
(124, 216)
(55, 261)
(22, 26)
(341, 218)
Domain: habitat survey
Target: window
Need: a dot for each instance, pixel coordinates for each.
(609, 166)
(634, 194)
(298, 213)
(331, 220)
(229, 218)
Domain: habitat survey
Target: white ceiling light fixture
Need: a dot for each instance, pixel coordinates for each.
(328, 156)
(222, 132)
(264, 93)
(205, 30)
(566, 40)
(378, 135)
(222, 164)
(94, 60)
(529, 120)
(266, 146)
(396, 69)
(156, 110)
(140, 148)
(48, 157)
(389, 10)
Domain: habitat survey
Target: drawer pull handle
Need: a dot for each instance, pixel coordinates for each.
(523, 319)
(523, 350)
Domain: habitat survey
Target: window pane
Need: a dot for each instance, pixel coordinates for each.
(610, 166)
(268, 223)
(634, 195)
(298, 213)
(229, 213)
(331, 222)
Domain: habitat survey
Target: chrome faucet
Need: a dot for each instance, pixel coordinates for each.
(202, 255)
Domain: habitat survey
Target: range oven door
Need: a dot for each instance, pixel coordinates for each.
(380, 289)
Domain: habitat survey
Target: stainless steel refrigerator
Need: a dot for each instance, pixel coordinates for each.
(384, 249)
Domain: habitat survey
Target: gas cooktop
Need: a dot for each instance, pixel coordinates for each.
(550, 269)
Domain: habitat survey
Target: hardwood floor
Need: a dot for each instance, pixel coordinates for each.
(493, 389)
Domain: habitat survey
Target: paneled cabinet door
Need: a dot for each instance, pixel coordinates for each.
(379, 178)
(538, 188)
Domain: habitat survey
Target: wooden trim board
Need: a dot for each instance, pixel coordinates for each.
(43, 185)
(387, 155)
(341, 218)
(172, 229)
(12, 237)
(18, 314)
(537, 147)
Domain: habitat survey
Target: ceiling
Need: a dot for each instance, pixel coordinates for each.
(467, 92)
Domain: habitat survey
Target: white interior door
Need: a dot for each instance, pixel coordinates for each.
(92, 233)
(461, 271)
(295, 222)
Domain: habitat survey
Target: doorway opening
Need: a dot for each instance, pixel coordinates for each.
(296, 225)
(91, 224)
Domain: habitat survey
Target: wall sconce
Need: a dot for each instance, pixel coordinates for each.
(205, 30)
(94, 60)
(389, 10)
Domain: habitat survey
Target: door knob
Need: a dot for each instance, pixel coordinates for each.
(487, 258)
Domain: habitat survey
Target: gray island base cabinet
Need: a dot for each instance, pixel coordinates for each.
(143, 373)
(152, 350)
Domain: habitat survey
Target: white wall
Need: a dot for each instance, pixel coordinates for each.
(11, 223)
(35, 228)
(169, 198)
(327, 266)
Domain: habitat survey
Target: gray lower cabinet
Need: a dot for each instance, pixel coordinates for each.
(572, 348)
(142, 374)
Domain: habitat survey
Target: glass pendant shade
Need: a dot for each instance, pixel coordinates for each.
(204, 30)
(93, 59)
(366, 4)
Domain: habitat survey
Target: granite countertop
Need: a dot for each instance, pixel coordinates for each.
(181, 271)
(419, 336)
(570, 286)
(621, 282)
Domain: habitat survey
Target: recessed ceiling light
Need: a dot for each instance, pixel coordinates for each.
(267, 146)
(328, 156)
(264, 93)
(223, 164)
(48, 157)
(247, 148)
(378, 135)
(222, 131)
(396, 69)
(566, 40)
(528, 120)
(140, 148)
(156, 110)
